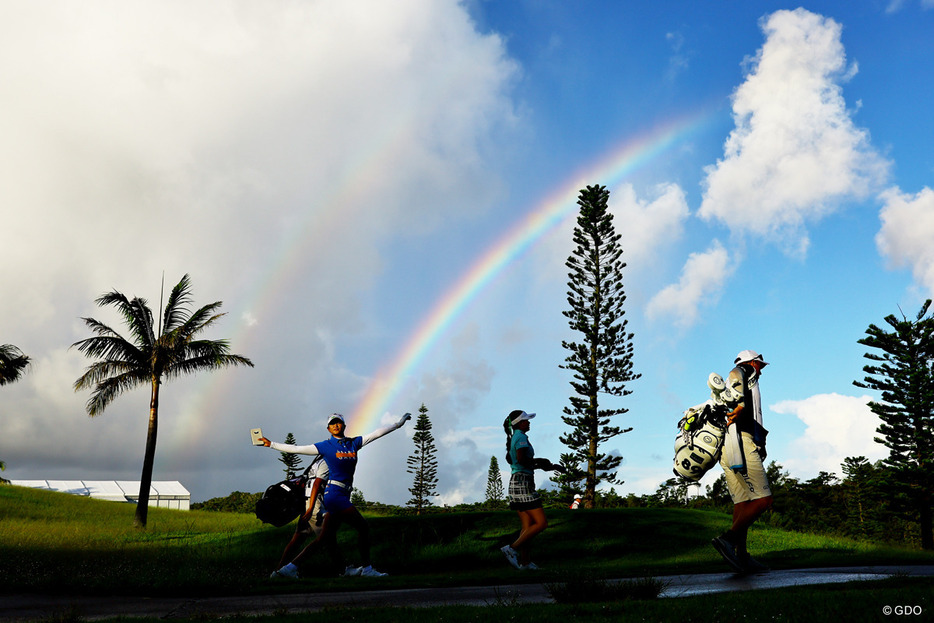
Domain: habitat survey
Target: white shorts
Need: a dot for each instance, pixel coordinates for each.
(754, 485)
(316, 521)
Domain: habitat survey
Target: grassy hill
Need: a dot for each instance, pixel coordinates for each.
(68, 544)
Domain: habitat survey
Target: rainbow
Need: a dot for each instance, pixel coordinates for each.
(559, 205)
(385, 386)
(320, 221)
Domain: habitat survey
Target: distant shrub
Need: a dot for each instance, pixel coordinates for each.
(236, 502)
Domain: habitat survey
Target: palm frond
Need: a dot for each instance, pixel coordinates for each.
(176, 308)
(110, 388)
(206, 348)
(140, 322)
(205, 362)
(12, 363)
(111, 347)
(117, 299)
(136, 314)
(100, 328)
(8, 351)
(201, 320)
(100, 371)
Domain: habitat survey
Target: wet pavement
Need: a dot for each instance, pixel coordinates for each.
(32, 607)
(700, 584)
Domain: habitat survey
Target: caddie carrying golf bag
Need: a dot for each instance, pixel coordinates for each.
(701, 432)
(283, 501)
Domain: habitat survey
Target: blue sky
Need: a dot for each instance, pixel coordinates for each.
(331, 172)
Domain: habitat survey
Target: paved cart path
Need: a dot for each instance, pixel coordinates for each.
(31, 607)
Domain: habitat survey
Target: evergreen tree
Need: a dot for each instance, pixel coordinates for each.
(494, 484)
(904, 375)
(569, 482)
(357, 499)
(292, 461)
(862, 493)
(423, 463)
(602, 361)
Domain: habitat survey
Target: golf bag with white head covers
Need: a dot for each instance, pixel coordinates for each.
(701, 432)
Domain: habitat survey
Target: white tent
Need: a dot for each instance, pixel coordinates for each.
(162, 493)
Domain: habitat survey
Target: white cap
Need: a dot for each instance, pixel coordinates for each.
(335, 417)
(520, 415)
(749, 355)
(577, 496)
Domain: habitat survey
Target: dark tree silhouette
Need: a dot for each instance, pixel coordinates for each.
(602, 360)
(494, 484)
(292, 461)
(904, 375)
(423, 464)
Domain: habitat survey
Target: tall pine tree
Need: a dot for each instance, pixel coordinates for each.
(494, 485)
(602, 360)
(904, 374)
(423, 464)
(292, 462)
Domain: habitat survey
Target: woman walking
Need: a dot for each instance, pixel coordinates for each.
(340, 454)
(523, 497)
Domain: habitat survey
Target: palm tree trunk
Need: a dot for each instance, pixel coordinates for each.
(145, 481)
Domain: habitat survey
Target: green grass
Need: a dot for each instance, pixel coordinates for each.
(51, 542)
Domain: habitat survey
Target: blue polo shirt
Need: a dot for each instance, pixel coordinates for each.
(340, 453)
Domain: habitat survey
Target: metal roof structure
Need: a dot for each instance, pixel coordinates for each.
(162, 493)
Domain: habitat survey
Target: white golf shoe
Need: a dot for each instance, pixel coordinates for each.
(370, 572)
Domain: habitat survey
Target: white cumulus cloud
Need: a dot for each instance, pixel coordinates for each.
(654, 223)
(795, 153)
(907, 233)
(837, 427)
(701, 283)
(269, 150)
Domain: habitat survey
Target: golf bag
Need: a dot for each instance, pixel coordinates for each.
(701, 432)
(283, 501)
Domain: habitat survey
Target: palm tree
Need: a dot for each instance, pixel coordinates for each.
(148, 357)
(12, 363)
